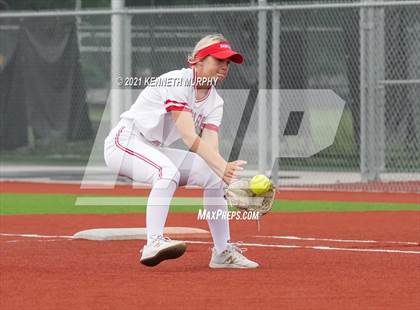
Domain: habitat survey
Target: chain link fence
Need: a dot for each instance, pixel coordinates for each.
(401, 89)
(366, 54)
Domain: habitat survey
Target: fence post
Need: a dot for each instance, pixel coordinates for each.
(367, 99)
(275, 100)
(379, 69)
(372, 94)
(262, 84)
(363, 34)
(117, 61)
(127, 59)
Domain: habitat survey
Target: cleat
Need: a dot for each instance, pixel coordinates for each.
(231, 258)
(160, 249)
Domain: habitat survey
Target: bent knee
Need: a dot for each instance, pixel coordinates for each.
(213, 181)
(168, 172)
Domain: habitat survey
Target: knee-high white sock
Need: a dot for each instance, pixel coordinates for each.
(219, 228)
(158, 206)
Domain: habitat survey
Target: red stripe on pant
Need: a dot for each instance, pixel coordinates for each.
(131, 152)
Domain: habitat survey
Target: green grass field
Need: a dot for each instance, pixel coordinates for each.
(66, 204)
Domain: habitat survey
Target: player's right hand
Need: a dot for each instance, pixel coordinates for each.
(233, 170)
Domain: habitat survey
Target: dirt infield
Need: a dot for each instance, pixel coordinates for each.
(361, 260)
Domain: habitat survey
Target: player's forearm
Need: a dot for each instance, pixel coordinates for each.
(208, 153)
(211, 138)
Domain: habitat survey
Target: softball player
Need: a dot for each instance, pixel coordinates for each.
(174, 107)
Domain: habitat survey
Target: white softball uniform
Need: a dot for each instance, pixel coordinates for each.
(138, 147)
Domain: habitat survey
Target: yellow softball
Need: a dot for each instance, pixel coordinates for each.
(260, 184)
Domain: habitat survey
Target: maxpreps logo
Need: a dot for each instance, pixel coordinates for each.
(219, 214)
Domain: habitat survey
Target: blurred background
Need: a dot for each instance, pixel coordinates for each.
(59, 61)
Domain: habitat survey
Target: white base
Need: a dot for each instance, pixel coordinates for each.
(139, 233)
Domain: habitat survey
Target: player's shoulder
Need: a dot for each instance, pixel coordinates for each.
(217, 99)
(184, 73)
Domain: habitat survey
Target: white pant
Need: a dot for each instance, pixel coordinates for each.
(129, 154)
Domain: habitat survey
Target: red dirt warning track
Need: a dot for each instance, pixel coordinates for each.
(52, 273)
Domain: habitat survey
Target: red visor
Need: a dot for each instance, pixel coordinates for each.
(220, 50)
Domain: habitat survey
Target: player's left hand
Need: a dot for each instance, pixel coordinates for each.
(233, 170)
(240, 196)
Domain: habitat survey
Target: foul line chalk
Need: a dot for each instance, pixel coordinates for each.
(321, 248)
(337, 240)
(35, 236)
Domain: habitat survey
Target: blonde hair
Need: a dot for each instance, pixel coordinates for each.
(204, 42)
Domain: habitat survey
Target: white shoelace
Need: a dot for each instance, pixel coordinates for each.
(236, 247)
(158, 239)
(236, 252)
